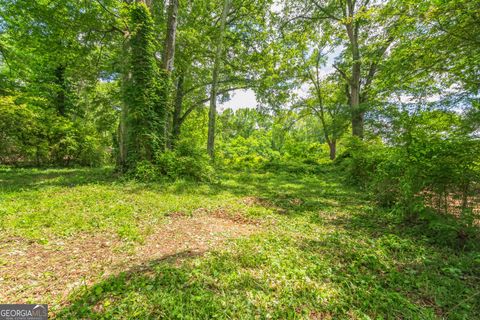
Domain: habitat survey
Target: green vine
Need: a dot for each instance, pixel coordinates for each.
(144, 116)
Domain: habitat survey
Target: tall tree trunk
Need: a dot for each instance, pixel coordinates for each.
(213, 92)
(167, 66)
(169, 48)
(122, 125)
(139, 120)
(177, 112)
(352, 32)
(60, 96)
(357, 113)
(122, 140)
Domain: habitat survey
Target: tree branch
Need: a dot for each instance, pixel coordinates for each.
(204, 100)
(325, 11)
(343, 74)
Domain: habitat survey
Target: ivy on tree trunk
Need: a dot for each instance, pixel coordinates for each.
(143, 118)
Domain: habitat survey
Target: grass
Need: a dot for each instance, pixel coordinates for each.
(42, 205)
(325, 252)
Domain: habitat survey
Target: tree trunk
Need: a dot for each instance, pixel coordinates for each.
(177, 112)
(122, 140)
(122, 125)
(169, 48)
(139, 121)
(332, 145)
(167, 65)
(357, 113)
(213, 92)
(60, 97)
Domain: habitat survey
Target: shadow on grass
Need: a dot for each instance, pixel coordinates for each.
(331, 275)
(293, 193)
(25, 179)
(333, 256)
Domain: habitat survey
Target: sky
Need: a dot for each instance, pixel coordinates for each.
(242, 99)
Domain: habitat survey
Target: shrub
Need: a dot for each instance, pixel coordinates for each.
(293, 166)
(76, 143)
(33, 135)
(18, 131)
(186, 161)
(145, 171)
(432, 165)
(360, 160)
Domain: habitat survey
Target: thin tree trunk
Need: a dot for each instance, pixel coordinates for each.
(122, 140)
(177, 112)
(357, 113)
(122, 125)
(332, 145)
(167, 65)
(60, 97)
(213, 92)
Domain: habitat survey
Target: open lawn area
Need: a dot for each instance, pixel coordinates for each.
(255, 245)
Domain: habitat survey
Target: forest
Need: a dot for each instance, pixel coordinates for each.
(240, 159)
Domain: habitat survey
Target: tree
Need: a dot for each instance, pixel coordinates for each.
(216, 70)
(240, 65)
(166, 76)
(363, 30)
(329, 105)
(141, 125)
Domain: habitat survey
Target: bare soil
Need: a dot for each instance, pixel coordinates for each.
(47, 273)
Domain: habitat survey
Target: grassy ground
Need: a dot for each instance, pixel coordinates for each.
(323, 251)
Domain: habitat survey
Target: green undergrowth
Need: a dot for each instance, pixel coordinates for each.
(326, 252)
(42, 205)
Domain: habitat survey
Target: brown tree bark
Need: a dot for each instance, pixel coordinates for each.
(167, 65)
(332, 145)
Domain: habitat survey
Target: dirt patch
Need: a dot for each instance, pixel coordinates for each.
(32, 272)
(252, 201)
(454, 203)
(262, 202)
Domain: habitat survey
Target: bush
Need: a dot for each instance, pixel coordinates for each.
(293, 166)
(245, 153)
(185, 161)
(19, 128)
(433, 165)
(360, 160)
(33, 135)
(145, 171)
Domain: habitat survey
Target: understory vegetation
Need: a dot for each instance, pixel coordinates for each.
(323, 250)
